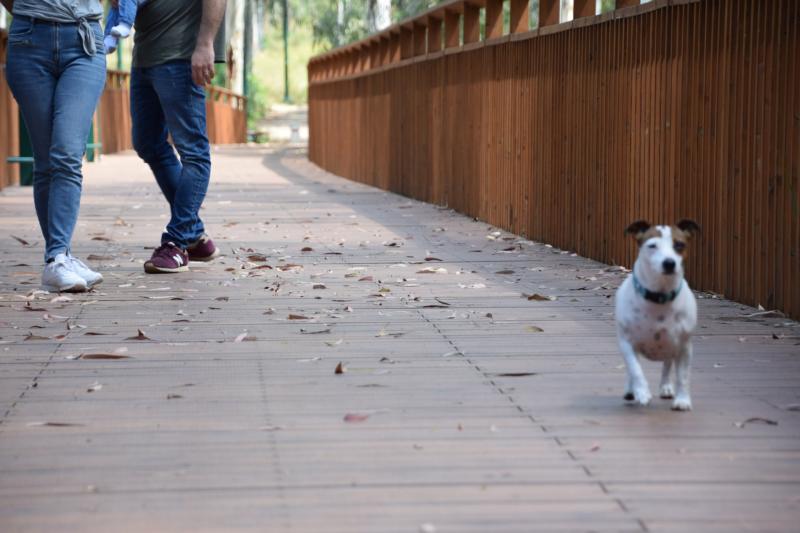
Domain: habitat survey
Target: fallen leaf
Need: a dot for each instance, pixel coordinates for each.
(96, 257)
(755, 419)
(101, 238)
(318, 332)
(289, 266)
(312, 360)
(534, 329)
(31, 337)
(340, 369)
(94, 333)
(355, 417)
(297, 317)
(53, 424)
(318, 286)
(257, 258)
(387, 360)
(431, 270)
(539, 297)
(504, 272)
(515, 374)
(94, 387)
(140, 336)
(307, 249)
(102, 356)
(594, 447)
(241, 337)
(432, 259)
(20, 240)
(334, 343)
(365, 278)
(221, 299)
(174, 396)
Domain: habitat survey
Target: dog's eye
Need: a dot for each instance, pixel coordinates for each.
(679, 246)
(652, 246)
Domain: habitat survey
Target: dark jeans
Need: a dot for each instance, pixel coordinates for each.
(165, 100)
(56, 85)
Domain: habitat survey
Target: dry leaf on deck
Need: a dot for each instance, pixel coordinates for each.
(96, 257)
(755, 419)
(94, 387)
(534, 329)
(340, 369)
(292, 316)
(140, 336)
(307, 249)
(20, 240)
(355, 417)
(31, 337)
(538, 297)
(102, 356)
(334, 343)
(504, 272)
(53, 424)
(318, 332)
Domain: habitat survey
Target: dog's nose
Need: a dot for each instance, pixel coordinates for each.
(669, 266)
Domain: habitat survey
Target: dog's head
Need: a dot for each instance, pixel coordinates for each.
(663, 248)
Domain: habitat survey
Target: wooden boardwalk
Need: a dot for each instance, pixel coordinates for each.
(464, 406)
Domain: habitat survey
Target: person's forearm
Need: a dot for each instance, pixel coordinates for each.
(213, 13)
(8, 4)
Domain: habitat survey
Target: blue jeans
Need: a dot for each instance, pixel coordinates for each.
(57, 87)
(165, 100)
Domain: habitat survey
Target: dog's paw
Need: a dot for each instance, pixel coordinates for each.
(682, 404)
(667, 393)
(642, 396)
(629, 397)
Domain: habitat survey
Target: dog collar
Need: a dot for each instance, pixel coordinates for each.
(656, 297)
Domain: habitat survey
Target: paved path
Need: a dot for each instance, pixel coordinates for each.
(436, 425)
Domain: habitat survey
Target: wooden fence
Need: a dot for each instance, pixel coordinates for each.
(567, 133)
(9, 123)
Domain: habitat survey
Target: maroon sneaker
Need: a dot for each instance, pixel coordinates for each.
(202, 249)
(167, 258)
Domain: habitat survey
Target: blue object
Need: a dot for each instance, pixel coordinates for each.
(57, 86)
(125, 13)
(164, 99)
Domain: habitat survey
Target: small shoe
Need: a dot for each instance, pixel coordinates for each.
(58, 276)
(167, 259)
(91, 277)
(121, 31)
(202, 249)
(110, 44)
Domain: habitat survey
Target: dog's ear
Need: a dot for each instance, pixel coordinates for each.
(688, 226)
(637, 228)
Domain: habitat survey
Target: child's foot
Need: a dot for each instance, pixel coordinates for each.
(110, 43)
(121, 31)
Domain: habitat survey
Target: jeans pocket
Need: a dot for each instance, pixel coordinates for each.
(20, 31)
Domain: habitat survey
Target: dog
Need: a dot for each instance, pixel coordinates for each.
(656, 312)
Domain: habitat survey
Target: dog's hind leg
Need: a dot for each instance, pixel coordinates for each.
(665, 390)
(637, 383)
(683, 400)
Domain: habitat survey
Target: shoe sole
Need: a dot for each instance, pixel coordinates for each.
(152, 269)
(206, 258)
(69, 288)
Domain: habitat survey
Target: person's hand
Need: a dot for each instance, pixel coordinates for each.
(203, 63)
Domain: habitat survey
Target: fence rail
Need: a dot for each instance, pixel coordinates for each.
(569, 132)
(9, 123)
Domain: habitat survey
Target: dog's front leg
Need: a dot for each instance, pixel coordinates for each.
(637, 383)
(683, 401)
(665, 390)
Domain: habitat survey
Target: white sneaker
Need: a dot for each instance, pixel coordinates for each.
(59, 277)
(121, 30)
(91, 277)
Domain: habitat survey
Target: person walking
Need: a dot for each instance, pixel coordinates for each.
(175, 46)
(56, 70)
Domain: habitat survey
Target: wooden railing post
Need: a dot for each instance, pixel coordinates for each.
(406, 43)
(549, 12)
(451, 29)
(584, 8)
(472, 23)
(494, 19)
(420, 36)
(434, 34)
(626, 3)
(394, 45)
(520, 16)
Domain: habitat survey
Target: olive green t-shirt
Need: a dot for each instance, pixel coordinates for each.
(166, 30)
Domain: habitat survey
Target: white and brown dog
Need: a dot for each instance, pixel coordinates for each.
(656, 312)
